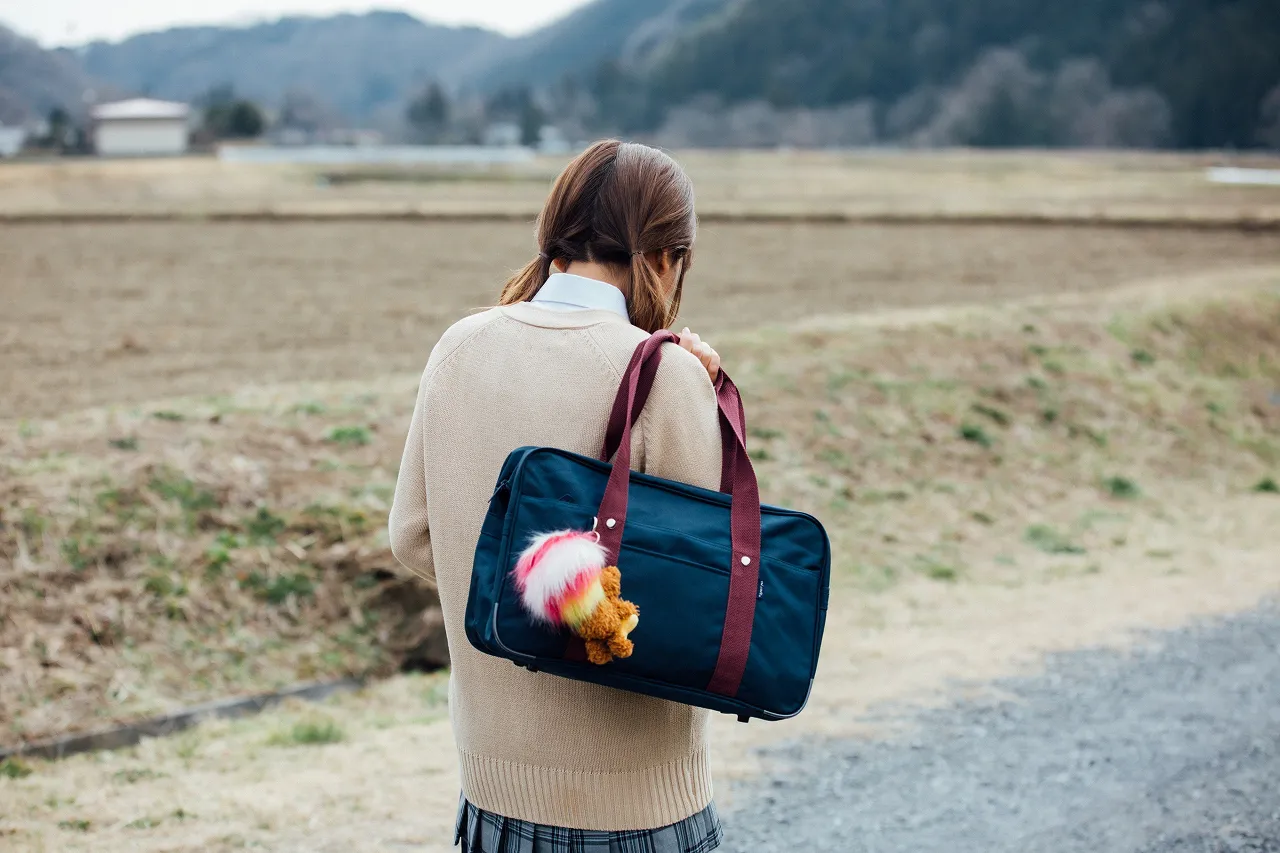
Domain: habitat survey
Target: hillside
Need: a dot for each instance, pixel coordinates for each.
(357, 64)
(362, 64)
(34, 80)
(1195, 74)
(744, 73)
(615, 30)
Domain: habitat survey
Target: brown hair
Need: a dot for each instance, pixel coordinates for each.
(616, 203)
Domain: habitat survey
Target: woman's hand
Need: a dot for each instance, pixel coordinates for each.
(710, 358)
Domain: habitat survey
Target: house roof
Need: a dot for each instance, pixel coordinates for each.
(140, 108)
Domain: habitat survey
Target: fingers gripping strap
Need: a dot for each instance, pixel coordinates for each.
(737, 479)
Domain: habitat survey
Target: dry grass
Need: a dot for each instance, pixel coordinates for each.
(961, 183)
(170, 554)
(123, 313)
(204, 549)
(985, 428)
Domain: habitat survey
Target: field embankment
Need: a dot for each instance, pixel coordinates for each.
(158, 555)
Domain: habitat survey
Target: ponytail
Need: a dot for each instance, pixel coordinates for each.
(524, 285)
(649, 307)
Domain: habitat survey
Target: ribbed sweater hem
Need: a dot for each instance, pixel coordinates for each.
(646, 798)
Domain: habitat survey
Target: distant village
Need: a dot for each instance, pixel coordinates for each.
(236, 129)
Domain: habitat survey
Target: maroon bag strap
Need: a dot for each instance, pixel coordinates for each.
(618, 416)
(737, 478)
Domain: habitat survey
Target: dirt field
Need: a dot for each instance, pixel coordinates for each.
(1079, 185)
(100, 314)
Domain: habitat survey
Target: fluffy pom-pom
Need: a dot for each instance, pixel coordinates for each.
(558, 577)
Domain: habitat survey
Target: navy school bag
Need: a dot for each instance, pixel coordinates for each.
(732, 595)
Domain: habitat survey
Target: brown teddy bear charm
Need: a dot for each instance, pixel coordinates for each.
(563, 581)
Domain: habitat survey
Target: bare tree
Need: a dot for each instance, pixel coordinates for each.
(1087, 112)
(998, 102)
(303, 111)
(707, 123)
(912, 113)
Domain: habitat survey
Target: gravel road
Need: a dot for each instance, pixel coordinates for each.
(1172, 747)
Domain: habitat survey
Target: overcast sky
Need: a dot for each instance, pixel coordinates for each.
(62, 22)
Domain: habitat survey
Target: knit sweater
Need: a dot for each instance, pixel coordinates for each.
(535, 746)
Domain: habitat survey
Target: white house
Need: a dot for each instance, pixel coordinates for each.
(140, 127)
(11, 140)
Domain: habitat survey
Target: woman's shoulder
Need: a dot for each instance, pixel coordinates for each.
(678, 369)
(459, 333)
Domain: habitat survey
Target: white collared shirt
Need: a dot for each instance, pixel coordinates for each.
(565, 292)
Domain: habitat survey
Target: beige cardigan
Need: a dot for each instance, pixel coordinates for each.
(534, 746)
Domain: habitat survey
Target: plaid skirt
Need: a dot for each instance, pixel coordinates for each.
(479, 831)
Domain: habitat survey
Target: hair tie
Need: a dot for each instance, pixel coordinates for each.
(633, 254)
(544, 256)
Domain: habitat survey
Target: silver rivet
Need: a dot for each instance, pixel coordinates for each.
(611, 524)
(746, 561)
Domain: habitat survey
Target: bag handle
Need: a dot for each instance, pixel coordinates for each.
(648, 372)
(738, 479)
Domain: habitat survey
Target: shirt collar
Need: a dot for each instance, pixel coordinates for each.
(565, 292)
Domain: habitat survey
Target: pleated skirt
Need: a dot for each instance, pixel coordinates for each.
(479, 831)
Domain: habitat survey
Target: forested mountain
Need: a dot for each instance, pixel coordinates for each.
(33, 81)
(1134, 73)
(1210, 64)
(356, 64)
(626, 31)
(360, 64)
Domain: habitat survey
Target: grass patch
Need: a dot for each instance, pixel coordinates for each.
(310, 407)
(264, 527)
(168, 416)
(764, 433)
(316, 732)
(351, 436)
(218, 555)
(135, 774)
(1267, 486)
(1122, 488)
(143, 823)
(995, 415)
(78, 553)
(874, 578)
(74, 825)
(1142, 357)
(13, 768)
(1051, 541)
(176, 488)
(875, 496)
(129, 443)
(937, 571)
(278, 589)
(834, 458)
(975, 434)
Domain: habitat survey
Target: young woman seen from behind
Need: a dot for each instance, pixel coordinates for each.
(547, 763)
